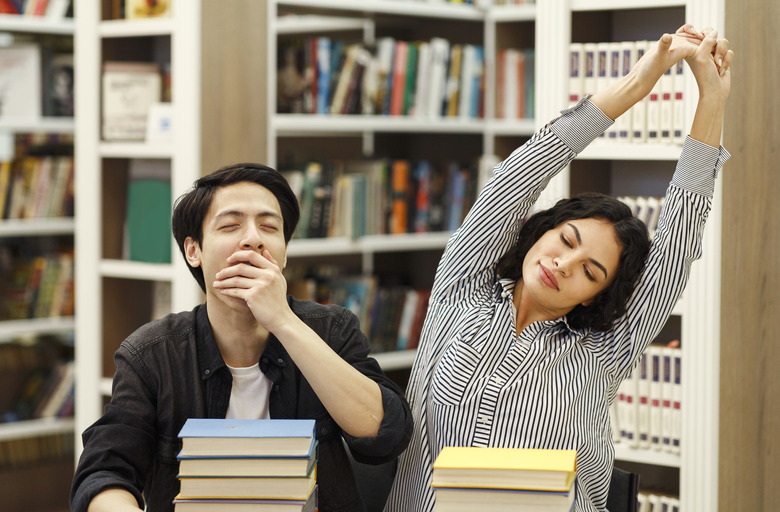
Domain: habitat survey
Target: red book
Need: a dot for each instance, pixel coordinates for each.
(398, 92)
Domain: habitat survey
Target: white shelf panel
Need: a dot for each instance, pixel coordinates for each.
(605, 151)
(397, 360)
(395, 7)
(35, 428)
(125, 269)
(643, 456)
(105, 386)
(11, 329)
(619, 5)
(325, 125)
(134, 150)
(310, 23)
(37, 227)
(367, 244)
(36, 24)
(38, 124)
(515, 127)
(511, 13)
(141, 27)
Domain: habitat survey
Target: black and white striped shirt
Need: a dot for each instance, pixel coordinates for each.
(476, 383)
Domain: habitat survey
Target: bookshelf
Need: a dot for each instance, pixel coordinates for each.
(34, 236)
(549, 26)
(206, 112)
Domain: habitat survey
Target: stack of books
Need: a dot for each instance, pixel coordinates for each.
(504, 479)
(247, 465)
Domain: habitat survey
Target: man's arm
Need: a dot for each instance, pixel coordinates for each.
(353, 400)
(114, 500)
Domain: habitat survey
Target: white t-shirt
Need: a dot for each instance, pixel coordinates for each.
(249, 395)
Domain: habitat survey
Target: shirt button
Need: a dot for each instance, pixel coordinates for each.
(324, 431)
(207, 372)
(276, 388)
(280, 361)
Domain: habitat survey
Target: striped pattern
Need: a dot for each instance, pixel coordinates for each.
(475, 383)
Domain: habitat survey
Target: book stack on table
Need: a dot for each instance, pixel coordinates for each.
(247, 465)
(504, 479)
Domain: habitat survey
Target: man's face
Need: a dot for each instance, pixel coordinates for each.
(243, 216)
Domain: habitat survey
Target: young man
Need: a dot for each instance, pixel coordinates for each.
(250, 351)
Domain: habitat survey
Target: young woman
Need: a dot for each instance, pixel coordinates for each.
(531, 328)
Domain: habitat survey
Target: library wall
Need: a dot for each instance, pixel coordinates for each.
(750, 353)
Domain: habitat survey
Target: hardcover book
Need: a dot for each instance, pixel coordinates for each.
(223, 437)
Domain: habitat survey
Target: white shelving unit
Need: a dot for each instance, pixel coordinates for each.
(96, 157)
(34, 228)
(698, 460)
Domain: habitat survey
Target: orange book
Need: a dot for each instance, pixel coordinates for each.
(399, 213)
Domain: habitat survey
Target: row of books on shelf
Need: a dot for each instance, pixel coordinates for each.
(515, 83)
(655, 502)
(265, 464)
(504, 479)
(645, 208)
(47, 392)
(37, 286)
(390, 315)
(659, 117)
(37, 187)
(384, 196)
(37, 79)
(647, 412)
(33, 451)
(36, 378)
(422, 79)
(51, 9)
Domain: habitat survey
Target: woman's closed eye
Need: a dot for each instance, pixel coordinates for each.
(588, 273)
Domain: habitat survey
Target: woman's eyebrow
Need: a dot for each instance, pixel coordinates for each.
(579, 241)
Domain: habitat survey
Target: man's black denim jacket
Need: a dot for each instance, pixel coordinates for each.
(171, 369)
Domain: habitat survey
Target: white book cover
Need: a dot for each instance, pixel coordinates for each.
(667, 381)
(511, 83)
(656, 396)
(627, 60)
(676, 402)
(641, 208)
(422, 80)
(385, 49)
(20, 81)
(667, 106)
(468, 69)
(654, 114)
(591, 57)
(602, 72)
(643, 505)
(576, 70)
(654, 502)
(614, 74)
(440, 54)
(627, 417)
(129, 90)
(639, 111)
(678, 104)
(643, 406)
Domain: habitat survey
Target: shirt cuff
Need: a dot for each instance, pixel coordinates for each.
(580, 124)
(698, 166)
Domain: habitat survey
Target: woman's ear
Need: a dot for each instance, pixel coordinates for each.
(192, 251)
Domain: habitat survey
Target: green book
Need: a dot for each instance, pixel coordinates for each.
(149, 221)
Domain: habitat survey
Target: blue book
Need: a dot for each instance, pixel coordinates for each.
(204, 437)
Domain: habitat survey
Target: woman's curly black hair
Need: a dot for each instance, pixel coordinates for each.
(610, 304)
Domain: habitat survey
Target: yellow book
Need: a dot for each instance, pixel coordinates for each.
(505, 468)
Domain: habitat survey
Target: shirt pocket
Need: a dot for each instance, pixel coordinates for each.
(167, 449)
(456, 369)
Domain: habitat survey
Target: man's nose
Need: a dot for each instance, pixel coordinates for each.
(252, 238)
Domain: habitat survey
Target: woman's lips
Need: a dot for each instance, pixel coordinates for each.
(548, 278)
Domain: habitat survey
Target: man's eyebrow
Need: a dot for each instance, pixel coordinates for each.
(579, 241)
(237, 213)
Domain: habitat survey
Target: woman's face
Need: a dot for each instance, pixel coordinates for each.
(571, 264)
